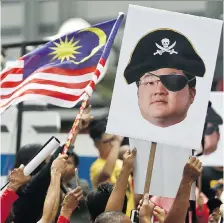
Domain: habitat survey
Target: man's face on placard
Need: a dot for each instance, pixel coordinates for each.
(211, 139)
(160, 106)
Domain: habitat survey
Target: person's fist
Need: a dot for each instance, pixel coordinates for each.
(17, 178)
(59, 164)
(116, 142)
(145, 209)
(192, 170)
(71, 200)
(129, 158)
(160, 214)
(86, 118)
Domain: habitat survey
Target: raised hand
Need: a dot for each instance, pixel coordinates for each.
(86, 118)
(192, 170)
(129, 158)
(160, 214)
(145, 209)
(59, 164)
(17, 178)
(71, 201)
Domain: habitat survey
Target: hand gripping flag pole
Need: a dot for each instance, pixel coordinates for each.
(89, 89)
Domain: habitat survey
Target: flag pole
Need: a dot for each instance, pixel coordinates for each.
(89, 89)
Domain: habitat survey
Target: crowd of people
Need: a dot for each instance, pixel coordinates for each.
(51, 194)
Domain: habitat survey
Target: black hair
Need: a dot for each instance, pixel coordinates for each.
(110, 217)
(213, 204)
(97, 128)
(96, 200)
(125, 141)
(72, 154)
(25, 155)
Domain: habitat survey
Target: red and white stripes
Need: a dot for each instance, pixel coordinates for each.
(56, 86)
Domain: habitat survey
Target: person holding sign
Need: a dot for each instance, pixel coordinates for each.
(164, 65)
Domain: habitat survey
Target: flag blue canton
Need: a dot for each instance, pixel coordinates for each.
(77, 50)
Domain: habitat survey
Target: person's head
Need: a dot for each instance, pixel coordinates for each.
(72, 163)
(213, 205)
(25, 155)
(211, 135)
(164, 64)
(160, 106)
(102, 140)
(96, 200)
(112, 217)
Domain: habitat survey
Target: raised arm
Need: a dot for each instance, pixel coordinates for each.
(145, 209)
(32, 196)
(52, 199)
(9, 196)
(178, 211)
(108, 168)
(116, 200)
(70, 203)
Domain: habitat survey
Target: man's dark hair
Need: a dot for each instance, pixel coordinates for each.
(213, 204)
(97, 128)
(96, 200)
(25, 155)
(110, 217)
(72, 154)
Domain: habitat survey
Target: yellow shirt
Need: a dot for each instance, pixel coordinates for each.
(96, 168)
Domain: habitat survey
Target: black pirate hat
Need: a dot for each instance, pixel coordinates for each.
(163, 48)
(212, 116)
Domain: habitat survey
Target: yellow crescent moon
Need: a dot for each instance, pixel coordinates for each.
(102, 41)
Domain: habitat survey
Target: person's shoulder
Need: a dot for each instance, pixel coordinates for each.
(97, 164)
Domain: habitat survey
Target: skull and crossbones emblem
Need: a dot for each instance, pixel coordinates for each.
(165, 47)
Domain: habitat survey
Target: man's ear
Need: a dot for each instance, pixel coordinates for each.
(192, 94)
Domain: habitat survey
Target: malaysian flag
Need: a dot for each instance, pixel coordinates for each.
(59, 72)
